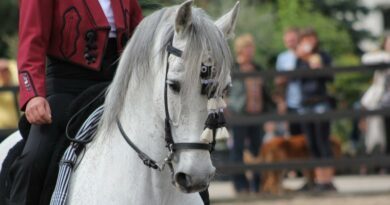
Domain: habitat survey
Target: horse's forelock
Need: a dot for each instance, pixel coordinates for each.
(205, 38)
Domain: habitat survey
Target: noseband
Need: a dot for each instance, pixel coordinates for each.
(170, 144)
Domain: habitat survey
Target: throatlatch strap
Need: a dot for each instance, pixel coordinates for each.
(144, 157)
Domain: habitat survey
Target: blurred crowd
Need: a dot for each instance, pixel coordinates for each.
(300, 95)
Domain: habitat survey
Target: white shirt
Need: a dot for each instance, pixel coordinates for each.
(107, 9)
(286, 61)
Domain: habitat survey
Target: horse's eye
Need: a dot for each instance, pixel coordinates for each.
(174, 85)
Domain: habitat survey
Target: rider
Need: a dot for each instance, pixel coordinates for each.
(64, 48)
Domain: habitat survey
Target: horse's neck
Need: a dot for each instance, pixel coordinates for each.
(122, 178)
(143, 128)
(141, 122)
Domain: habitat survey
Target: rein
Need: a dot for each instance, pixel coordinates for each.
(170, 144)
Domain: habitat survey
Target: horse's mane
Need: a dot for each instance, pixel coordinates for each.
(203, 35)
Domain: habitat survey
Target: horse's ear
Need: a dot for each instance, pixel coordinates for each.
(227, 22)
(183, 18)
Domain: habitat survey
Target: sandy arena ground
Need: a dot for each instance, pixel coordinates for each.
(352, 190)
(328, 200)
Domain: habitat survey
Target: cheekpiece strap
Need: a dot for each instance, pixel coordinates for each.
(174, 51)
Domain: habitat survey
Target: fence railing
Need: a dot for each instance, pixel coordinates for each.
(330, 115)
(336, 114)
(341, 163)
(326, 71)
(228, 168)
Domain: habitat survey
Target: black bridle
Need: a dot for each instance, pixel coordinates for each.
(170, 143)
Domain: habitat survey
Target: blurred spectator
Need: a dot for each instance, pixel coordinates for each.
(276, 128)
(8, 111)
(246, 97)
(376, 97)
(356, 137)
(315, 99)
(287, 61)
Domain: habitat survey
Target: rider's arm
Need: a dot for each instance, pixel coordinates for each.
(34, 34)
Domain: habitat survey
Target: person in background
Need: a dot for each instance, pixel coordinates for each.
(315, 99)
(65, 47)
(286, 61)
(246, 97)
(8, 112)
(385, 99)
(376, 97)
(274, 129)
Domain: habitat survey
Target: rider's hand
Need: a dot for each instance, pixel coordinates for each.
(38, 111)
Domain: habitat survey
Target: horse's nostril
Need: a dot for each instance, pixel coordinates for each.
(183, 179)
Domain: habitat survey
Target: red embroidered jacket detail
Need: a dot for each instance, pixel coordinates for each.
(72, 30)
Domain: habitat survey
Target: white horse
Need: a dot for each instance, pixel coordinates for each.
(7, 144)
(111, 172)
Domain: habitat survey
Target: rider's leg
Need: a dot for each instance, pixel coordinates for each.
(28, 172)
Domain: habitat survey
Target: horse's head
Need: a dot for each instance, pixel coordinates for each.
(176, 65)
(199, 74)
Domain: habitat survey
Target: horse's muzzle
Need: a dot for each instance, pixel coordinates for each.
(189, 184)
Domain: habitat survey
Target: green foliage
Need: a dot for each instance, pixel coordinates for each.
(335, 38)
(341, 130)
(266, 21)
(8, 22)
(349, 87)
(12, 42)
(148, 6)
(258, 21)
(347, 13)
(299, 13)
